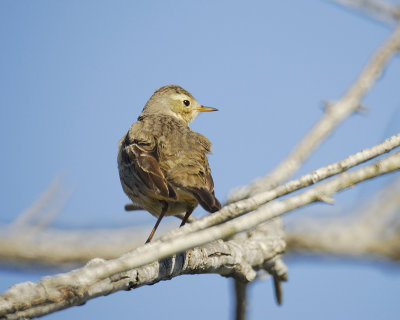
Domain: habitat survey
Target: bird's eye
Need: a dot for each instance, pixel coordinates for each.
(186, 103)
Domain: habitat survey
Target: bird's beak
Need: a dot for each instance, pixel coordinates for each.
(206, 109)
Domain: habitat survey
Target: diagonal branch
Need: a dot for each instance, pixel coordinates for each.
(335, 113)
(381, 10)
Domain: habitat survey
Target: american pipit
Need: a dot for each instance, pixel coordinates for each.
(162, 163)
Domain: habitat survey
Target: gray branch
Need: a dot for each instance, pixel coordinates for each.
(381, 10)
(373, 231)
(335, 113)
(237, 259)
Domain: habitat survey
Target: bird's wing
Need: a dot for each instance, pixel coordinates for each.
(191, 171)
(140, 155)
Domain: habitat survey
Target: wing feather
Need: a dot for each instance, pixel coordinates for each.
(142, 159)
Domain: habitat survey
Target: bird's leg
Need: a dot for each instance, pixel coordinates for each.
(187, 215)
(163, 211)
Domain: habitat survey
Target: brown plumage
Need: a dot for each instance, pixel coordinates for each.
(162, 163)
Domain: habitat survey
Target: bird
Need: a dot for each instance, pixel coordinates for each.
(162, 163)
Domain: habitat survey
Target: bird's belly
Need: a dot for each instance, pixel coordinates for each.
(174, 207)
(154, 204)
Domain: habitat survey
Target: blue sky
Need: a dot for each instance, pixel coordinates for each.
(74, 75)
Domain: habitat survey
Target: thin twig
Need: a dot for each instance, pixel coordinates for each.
(26, 217)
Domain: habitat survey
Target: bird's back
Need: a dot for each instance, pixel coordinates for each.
(180, 153)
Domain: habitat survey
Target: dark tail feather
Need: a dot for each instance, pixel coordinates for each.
(206, 199)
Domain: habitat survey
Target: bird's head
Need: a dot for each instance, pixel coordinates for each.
(174, 101)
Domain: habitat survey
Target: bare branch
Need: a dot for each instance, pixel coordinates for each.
(334, 115)
(133, 207)
(374, 230)
(37, 209)
(241, 299)
(232, 258)
(381, 10)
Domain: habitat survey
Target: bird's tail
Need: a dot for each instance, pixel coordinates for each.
(206, 199)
